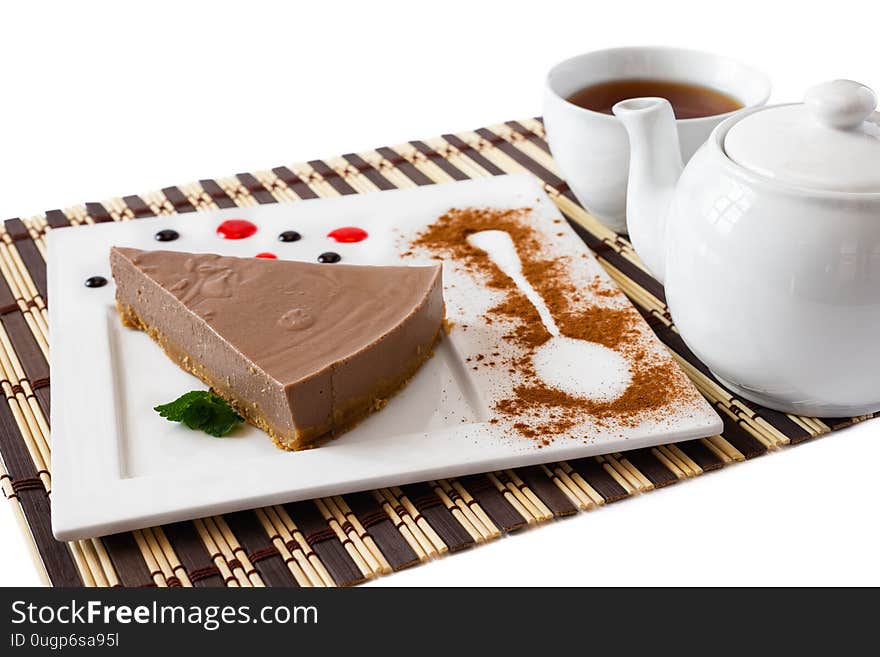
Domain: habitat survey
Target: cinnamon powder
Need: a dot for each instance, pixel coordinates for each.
(654, 381)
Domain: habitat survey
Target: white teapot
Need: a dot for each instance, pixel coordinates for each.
(768, 244)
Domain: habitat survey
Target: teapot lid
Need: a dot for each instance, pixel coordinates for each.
(829, 142)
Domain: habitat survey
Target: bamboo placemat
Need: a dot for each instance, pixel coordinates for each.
(344, 540)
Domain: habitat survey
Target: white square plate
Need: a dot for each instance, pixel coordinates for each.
(117, 465)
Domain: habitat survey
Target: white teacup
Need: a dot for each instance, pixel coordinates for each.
(592, 148)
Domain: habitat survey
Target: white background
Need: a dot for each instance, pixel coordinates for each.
(106, 99)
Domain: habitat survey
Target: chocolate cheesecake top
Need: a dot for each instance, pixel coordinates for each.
(289, 318)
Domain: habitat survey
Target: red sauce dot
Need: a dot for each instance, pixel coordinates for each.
(267, 255)
(348, 234)
(236, 229)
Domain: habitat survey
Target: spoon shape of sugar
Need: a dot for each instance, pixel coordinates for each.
(578, 367)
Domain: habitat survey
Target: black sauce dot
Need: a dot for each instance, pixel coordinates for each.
(289, 236)
(166, 235)
(96, 281)
(329, 256)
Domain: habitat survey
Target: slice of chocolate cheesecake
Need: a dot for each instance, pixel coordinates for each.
(301, 350)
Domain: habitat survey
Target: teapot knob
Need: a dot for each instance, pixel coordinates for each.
(842, 104)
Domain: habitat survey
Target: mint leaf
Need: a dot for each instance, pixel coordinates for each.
(201, 409)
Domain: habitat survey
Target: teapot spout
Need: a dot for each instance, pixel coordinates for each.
(654, 168)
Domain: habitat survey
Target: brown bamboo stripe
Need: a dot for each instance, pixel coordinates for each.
(378, 525)
(57, 219)
(547, 491)
(369, 171)
(323, 540)
(594, 474)
(264, 556)
(533, 147)
(782, 422)
(427, 158)
(281, 539)
(98, 213)
(366, 172)
(570, 489)
(737, 436)
(464, 507)
(441, 520)
(256, 188)
(300, 548)
(834, 423)
(514, 497)
(425, 168)
(348, 523)
(635, 274)
(515, 154)
(193, 556)
(470, 508)
(651, 467)
(16, 457)
(294, 182)
(16, 229)
(472, 153)
(117, 210)
(221, 552)
(178, 199)
(35, 366)
(30, 254)
(530, 501)
(422, 534)
(43, 398)
(524, 160)
(138, 207)
(8, 302)
(332, 177)
(634, 479)
(499, 510)
(348, 530)
(676, 460)
(197, 197)
(29, 355)
(608, 465)
(536, 139)
(237, 192)
(127, 560)
(22, 330)
(34, 439)
(401, 163)
(217, 194)
(445, 165)
(704, 457)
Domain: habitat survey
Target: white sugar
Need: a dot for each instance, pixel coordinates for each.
(577, 367)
